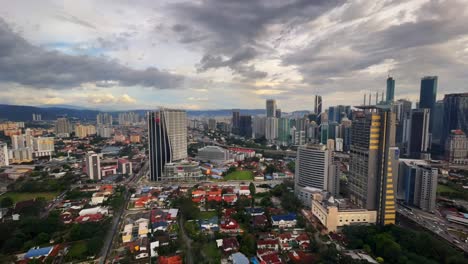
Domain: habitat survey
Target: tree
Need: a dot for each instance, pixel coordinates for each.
(248, 245)
(6, 202)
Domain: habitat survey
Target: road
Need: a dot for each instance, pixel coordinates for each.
(436, 224)
(188, 242)
(117, 219)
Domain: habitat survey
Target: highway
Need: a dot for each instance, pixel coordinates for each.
(436, 224)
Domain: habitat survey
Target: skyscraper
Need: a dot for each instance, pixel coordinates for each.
(235, 120)
(283, 131)
(428, 95)
(245, 126)
(373, 162)
(271, 129)
(259, 126)
(104, 119)
(167, 134)
(318, 108)
(455, 114)
(4, 155)
(63, 126)
(93, 166)
(278, 113)
(390, 90)
(271, 108)
(418, 144)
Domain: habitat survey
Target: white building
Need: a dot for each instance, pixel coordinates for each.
(43, 146)
(93, 166)
(4, 155)
(271, 128)
(339, 144)
(214, 154)
(105, 131)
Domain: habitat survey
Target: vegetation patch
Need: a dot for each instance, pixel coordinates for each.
(244, 175)
(23, 196)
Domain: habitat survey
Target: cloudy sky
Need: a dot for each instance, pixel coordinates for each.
(213, 54)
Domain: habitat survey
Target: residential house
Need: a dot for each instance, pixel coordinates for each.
(284, 221)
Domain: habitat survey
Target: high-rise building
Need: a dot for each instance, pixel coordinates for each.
(167, 136)
(339, 145)
(402, 109)
(93, 166)
(104, 119)
(417, 184)
(212, 124)
(324, 133)
(373, 162)
(346, 133)
(43, 146)
(105, 131)
(4, 159)
(418, 143)
(428, 95)
(438, 122)
(271, 107)
(82, 131)
(235, 121)
(271, 129)
(318, 108)
(390, 90)
(124, 166)
(455, 114)
(283, 131)
(245, 126)
(128, 118)
(36, 117)
(312, 131)
(63, 126)
(278, 113)
(298, 137)
(456, 147)
(259, 126)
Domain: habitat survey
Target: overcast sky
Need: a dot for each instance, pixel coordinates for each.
(217, 54)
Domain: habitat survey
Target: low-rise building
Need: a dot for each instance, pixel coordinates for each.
(284, 221)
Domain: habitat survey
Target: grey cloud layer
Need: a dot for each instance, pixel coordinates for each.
(23, 63)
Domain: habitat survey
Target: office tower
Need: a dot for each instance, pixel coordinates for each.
(331, 114)
(333, 130)
(417, 184)
(104, 119)
(455, 114)
(212, 124)
(63, 126)
(283, 131)
(318, 108)
(245, 126)
(298, 137)
(324, 133)
(456, 147)
(373, 162)
(259, 126)
(346, 133)
(312, 132)
(402, 109)
(428, 95)
(43, 146)
(301, 123)
(93, 166)
(271, 107)
(271, 129)
(390, 90)
(167, 138)
(4, 160)
(438, 122)
(339, 144)
(278, 113)
(235, 121)
(418, 143)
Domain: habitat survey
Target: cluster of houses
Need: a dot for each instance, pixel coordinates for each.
(153, 225)
(214, 193)
(87, 209)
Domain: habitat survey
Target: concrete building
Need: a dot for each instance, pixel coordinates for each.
(456, 147)
(183, 170)
(271, 108)
(271, 129)
(213, 154)
(373, 171)
(167, 138)
(258, 124)
(63, 127)
(283, 131)
(4, 159)
(104, 119)
(128, 118)
(212, 124)
(93, 166)
(455, 114)
(334, 214)
(105, 131)
(417, 184)
(339, 144)
(43, 146)
(83, 131)
(124, 166)
(298, 137)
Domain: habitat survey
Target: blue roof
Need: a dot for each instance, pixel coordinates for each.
(38, 252)
(239, 258)
(256, 210)
(288, 217)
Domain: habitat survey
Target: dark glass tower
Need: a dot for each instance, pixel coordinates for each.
(318, 109)
(390, 89)
(159, 146)
(455, 114)
(428, 95)
(419, 133)
(245, 126)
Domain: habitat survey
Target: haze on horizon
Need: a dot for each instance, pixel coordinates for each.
(218, 54)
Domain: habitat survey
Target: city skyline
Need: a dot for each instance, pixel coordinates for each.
(214, 60)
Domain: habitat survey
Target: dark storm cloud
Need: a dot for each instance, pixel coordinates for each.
(238, 25)
(23, 63)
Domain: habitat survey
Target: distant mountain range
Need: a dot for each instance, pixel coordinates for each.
(24, 113)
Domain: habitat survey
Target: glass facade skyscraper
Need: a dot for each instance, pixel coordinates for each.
(390, 90)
